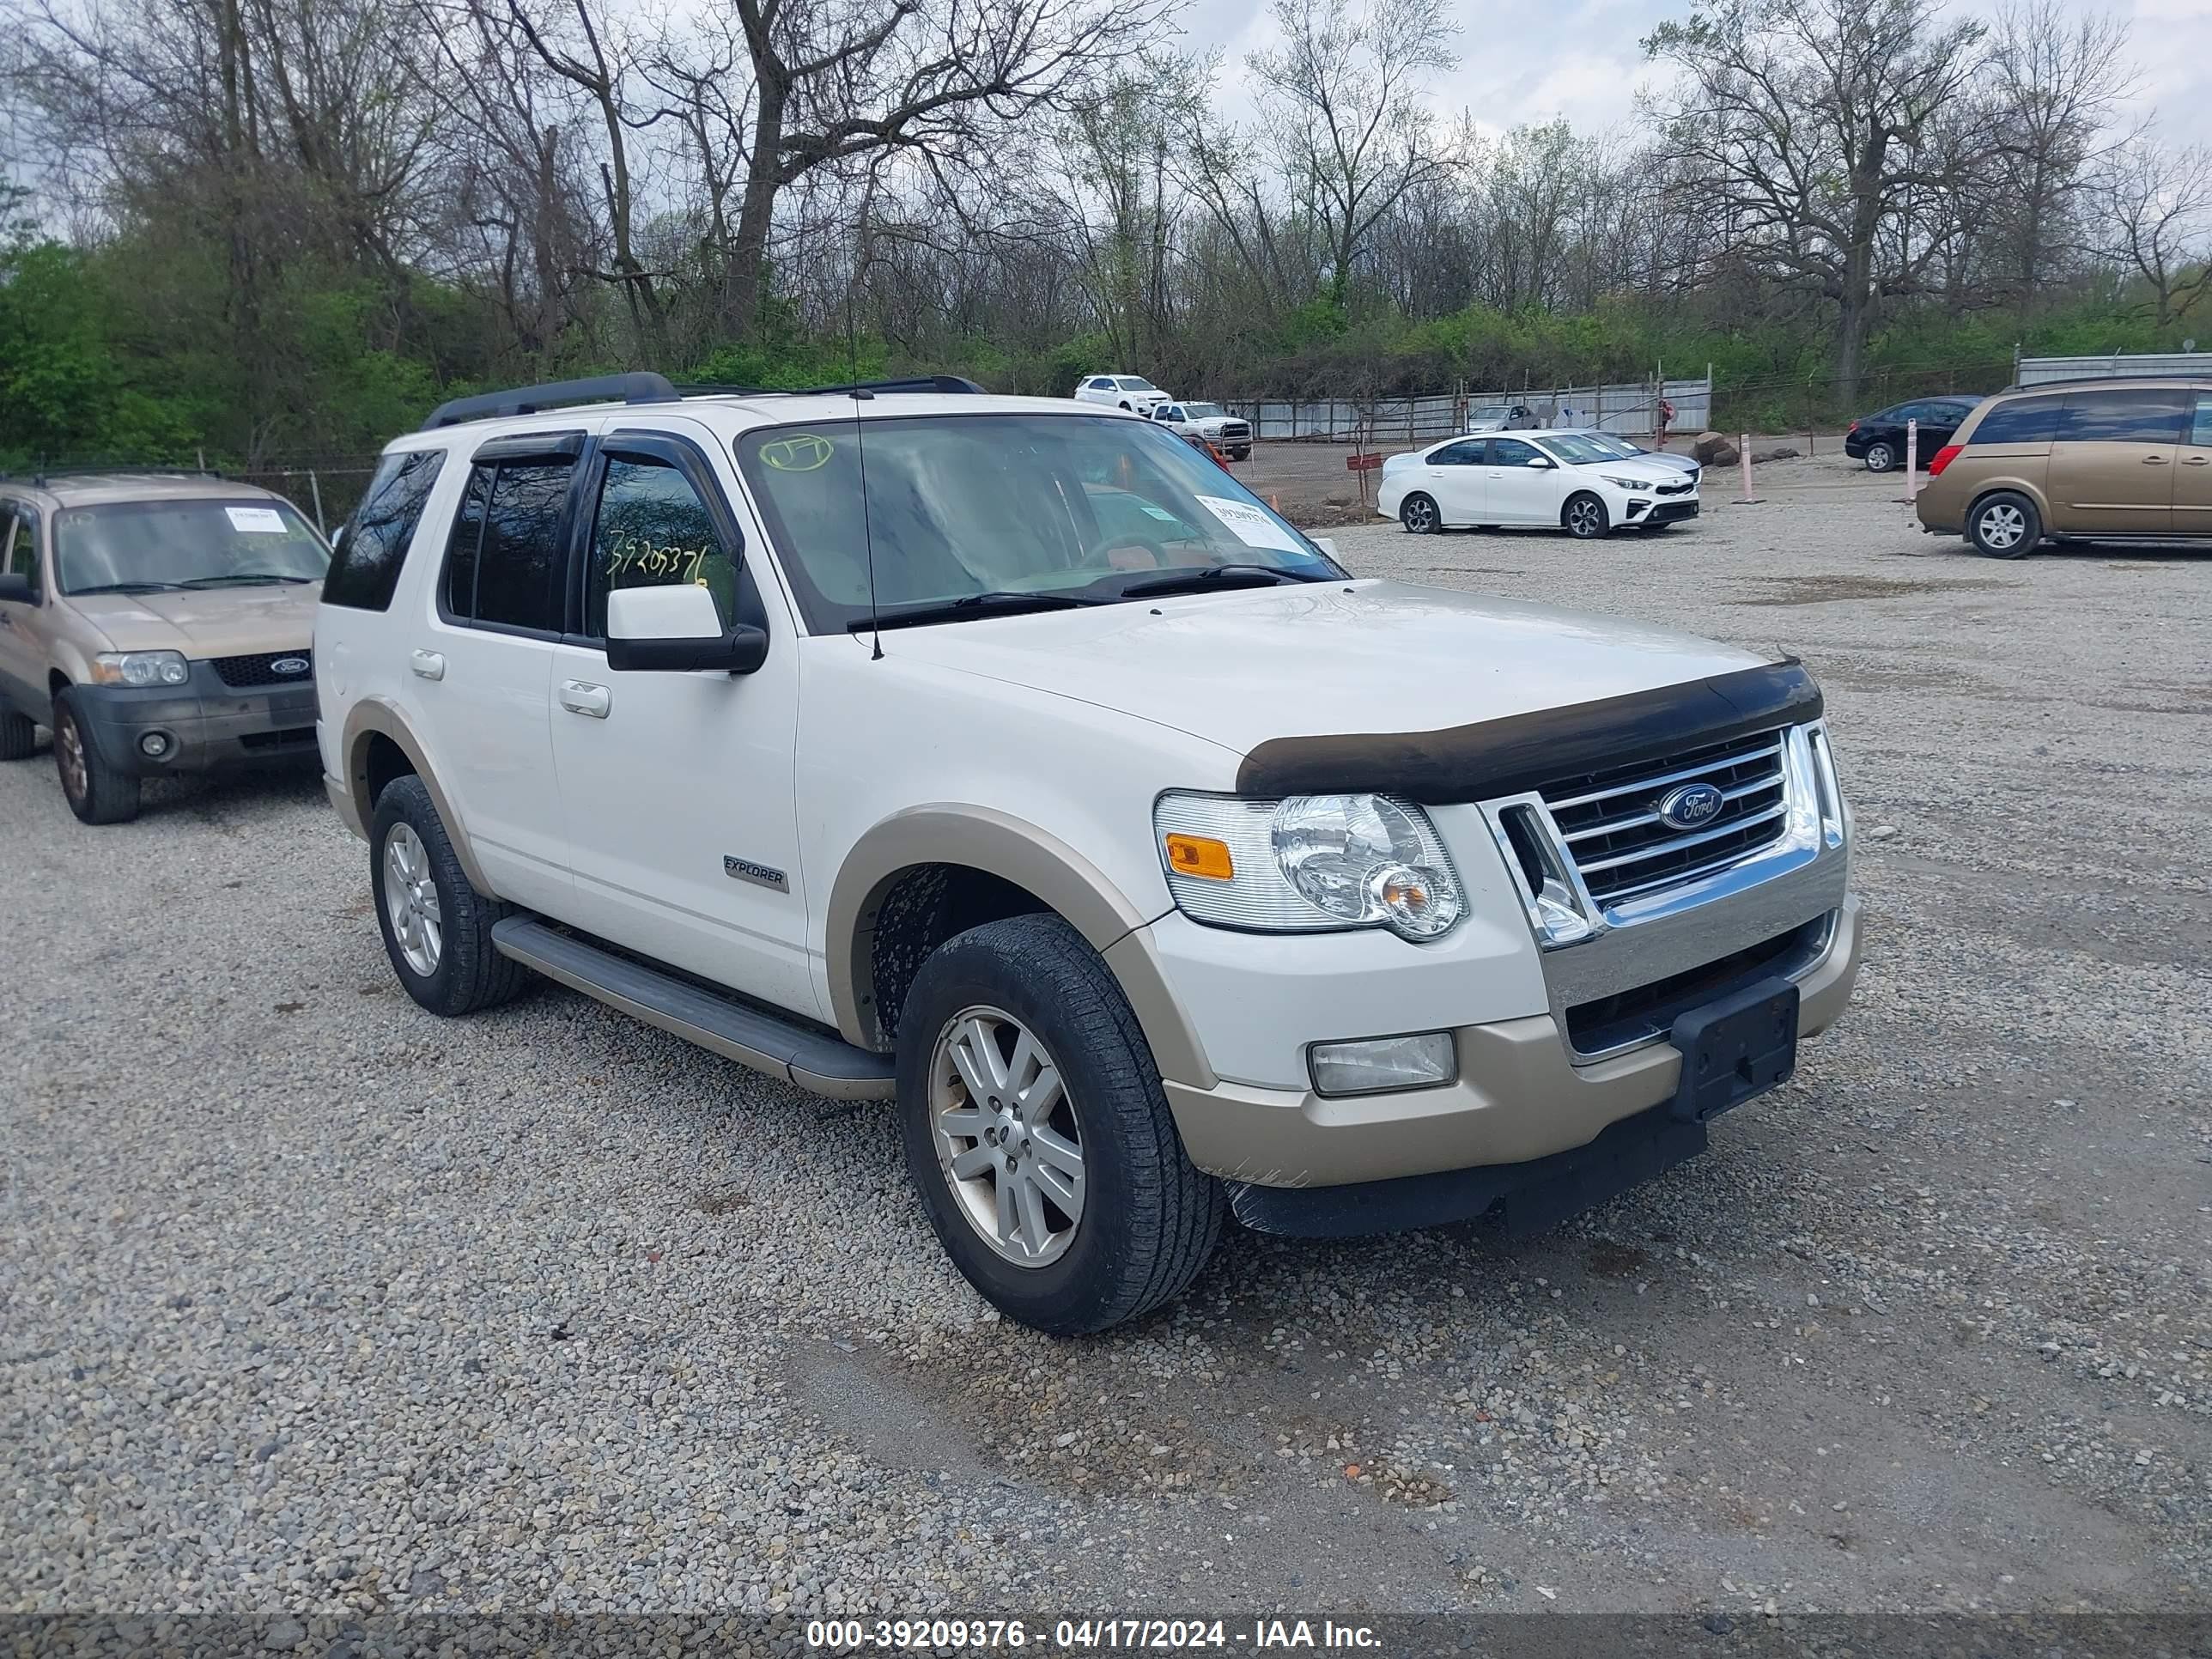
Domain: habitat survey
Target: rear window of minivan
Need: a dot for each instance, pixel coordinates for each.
(2022, 421)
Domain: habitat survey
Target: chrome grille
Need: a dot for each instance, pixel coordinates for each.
(1621, 847)
(1682, 489)
(1235, 429)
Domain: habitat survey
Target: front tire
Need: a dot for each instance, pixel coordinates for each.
(19, 735)
(95, 791)
(1038, 1135)
(436, 928)
(1419, 515)
(2005, 525)
(1880, 458)
(1585, 517)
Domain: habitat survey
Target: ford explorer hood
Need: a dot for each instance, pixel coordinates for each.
(207, 621)
(1242, 666)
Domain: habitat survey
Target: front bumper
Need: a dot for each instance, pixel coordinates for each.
(210, 726)
(1667, 509)
(1521, 1096)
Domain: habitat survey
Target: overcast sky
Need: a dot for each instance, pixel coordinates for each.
(1579, 58)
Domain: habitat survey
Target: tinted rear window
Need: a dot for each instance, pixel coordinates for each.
(2022, 421)
(365, 567)
(503, 563)
(2123, 417)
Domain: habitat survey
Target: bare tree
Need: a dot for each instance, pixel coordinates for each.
(1341, 100)
(1811, 124)
(2157, 204)
(2055, 83)
(931, 80)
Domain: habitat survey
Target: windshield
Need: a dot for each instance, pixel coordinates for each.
(1579, 449)
(1073, 506)
(1497, 413)
(144, 546)
(1137, 383)
(1618, 447)
(1202, 411)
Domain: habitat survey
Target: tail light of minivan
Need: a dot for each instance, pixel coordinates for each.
(1943, 458)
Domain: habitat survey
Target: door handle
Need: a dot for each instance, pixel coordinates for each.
(429, 665)
(2153, 460)
(582, 697)
(2199, 460)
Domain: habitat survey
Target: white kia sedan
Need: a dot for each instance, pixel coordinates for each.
(1568, 479)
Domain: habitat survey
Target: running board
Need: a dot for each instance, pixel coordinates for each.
(821, 1064)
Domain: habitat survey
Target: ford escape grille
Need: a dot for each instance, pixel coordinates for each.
(243, 673)
(1610, 823)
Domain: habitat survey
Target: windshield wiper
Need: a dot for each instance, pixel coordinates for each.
(995, 602)
(1216, 575)
(243, 578)
(127, 587)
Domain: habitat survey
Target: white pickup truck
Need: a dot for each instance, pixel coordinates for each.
(1230, 434)
(1006, 760)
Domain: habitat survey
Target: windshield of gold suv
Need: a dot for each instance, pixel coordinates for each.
(972, 515)
(146, 547)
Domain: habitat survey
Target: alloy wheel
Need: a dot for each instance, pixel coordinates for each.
(1878, 458)
(410, 899)
(2002, 526)
(1585, 518)
(70, 756)
(1007, 1140)
(1418, 515)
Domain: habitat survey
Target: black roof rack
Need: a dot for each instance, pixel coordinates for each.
(640, 386)
(644, 387)
(959, 383)
(952, 383)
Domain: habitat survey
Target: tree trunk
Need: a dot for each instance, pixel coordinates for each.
(748, 271)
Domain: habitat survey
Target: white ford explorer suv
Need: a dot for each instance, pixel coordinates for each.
(1007, 759)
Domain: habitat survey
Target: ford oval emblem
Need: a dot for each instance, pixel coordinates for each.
(289, 665)
(1693, 806)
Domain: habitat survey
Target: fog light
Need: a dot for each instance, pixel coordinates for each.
(1378, 1065)
(156, 745)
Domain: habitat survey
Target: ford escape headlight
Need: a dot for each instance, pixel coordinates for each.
(141, 668)
(1309, 864)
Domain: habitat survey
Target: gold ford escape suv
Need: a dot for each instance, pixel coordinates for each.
(154, 624)
(2101, 460)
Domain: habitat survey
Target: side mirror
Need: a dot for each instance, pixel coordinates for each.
(676, 630)
(1540, 462)
(1327, 543)
(15, 588)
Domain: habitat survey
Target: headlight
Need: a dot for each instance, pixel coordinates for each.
(1309, 864)
(141, 668)
(1629, 484)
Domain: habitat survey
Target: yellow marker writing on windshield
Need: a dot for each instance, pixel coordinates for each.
(803, 454)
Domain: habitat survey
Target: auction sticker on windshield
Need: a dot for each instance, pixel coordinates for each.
(256, 520)
(1253, 526)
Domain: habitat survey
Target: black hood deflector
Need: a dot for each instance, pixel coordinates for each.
(1489, 758)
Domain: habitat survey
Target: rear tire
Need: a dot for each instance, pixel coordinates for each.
(436, 928)
(1880, 458)
(1144, 1219)
(95, 791)
(1419, 515)
(1585, 518)
(19, 735)
(2005, 525)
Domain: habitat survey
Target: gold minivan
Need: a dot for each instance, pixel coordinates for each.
(2118, 459)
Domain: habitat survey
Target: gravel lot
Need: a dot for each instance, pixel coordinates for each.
(310, 1301)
